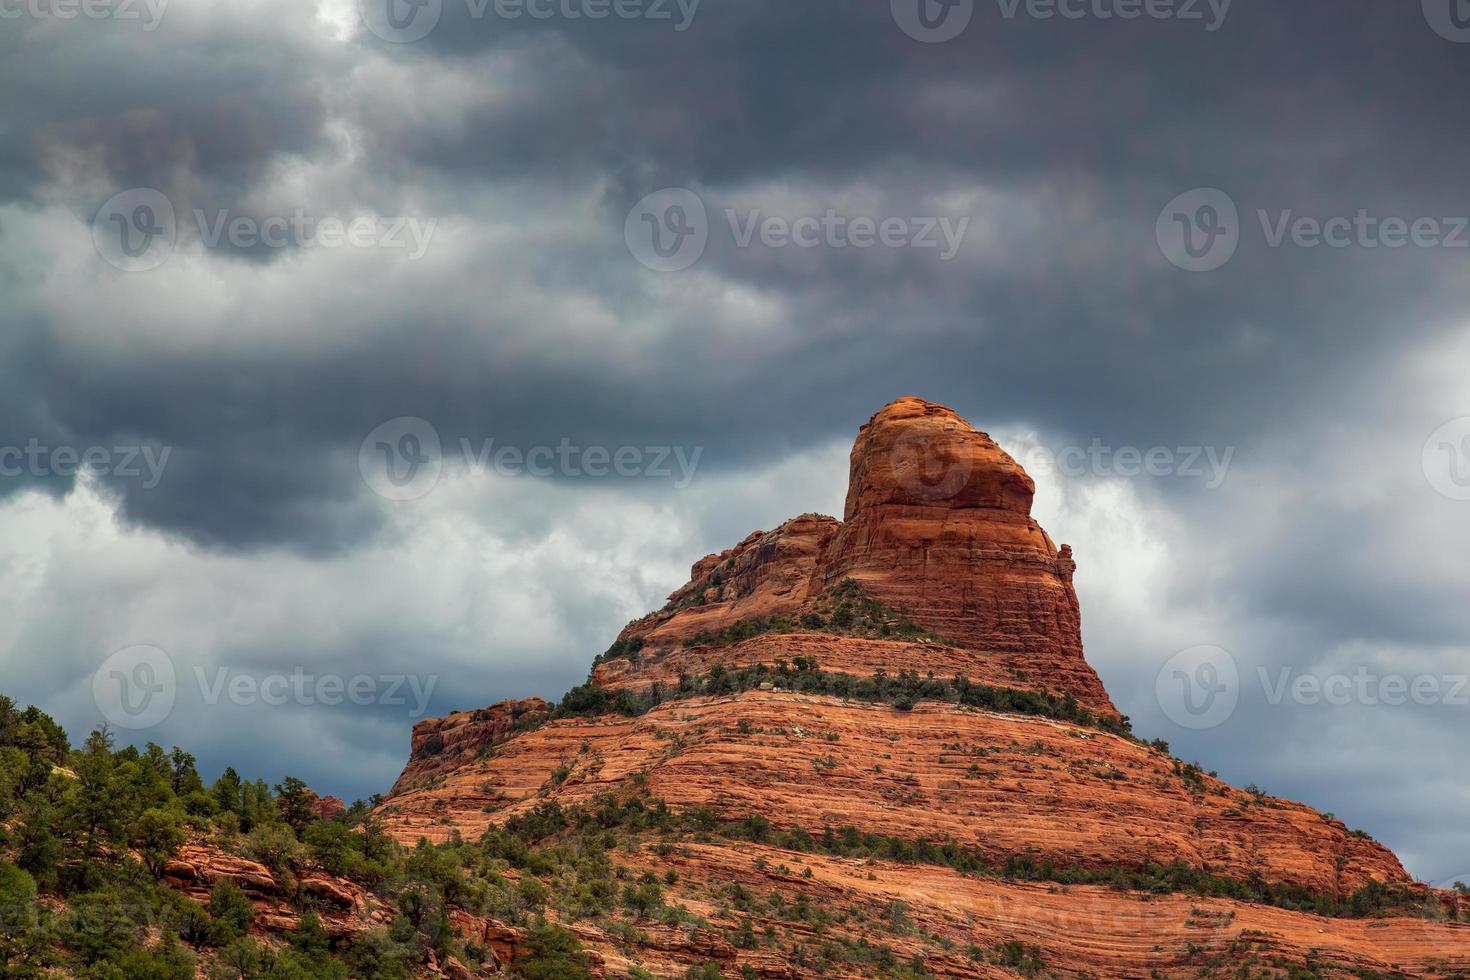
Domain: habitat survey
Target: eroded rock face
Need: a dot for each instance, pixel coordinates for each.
(938, 522)
(325, 807)
(769, 573)
(1004, 785)
(937, 527)
(443, 745)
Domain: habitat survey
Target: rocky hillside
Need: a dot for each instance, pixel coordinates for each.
(874, 747)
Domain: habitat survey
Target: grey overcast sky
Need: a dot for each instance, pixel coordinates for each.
(252, 234)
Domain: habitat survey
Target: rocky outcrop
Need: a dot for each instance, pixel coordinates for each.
(938, 522)
(444, 745)
(200, 866)
(938, 547)
(325, 807)
(769, 573)
(1004, 785)
(938, 525)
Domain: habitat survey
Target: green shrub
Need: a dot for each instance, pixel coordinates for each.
(556, 954)
(230, 913)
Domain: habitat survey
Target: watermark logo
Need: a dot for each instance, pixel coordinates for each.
(406, 21)
(1365, 687)
(1211, 13)
(1199, 230)
(931, 466)
(937, 21)
(1449, 18)
(833, 230)
(932, 21)
(401, 21)
(309, 690)
(38, 459)
(149, 11)
(1199, 687)
(668, 230)
(1208, 464)
(300, 230)
(136, 687)
(1446, 459)
(401, 459)
(1362, 230)
(136, 230)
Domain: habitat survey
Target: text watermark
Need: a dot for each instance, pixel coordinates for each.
(138, 688)
(1202, 686)
(1201, 229)
(404, 458)
(148, 12)
(937, 21)
(669, 230)
(39, 459)
(407, 21)
(138, 230)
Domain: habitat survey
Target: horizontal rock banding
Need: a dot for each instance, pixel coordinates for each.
(952, 578)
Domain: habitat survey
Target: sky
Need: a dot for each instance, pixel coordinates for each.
(361, 362)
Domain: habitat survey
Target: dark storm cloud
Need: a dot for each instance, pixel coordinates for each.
(208, 97)
(1073, 317)
(528, 320)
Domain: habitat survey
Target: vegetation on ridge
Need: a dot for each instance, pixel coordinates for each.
(86, 836)
(843, 610)
(803, 675)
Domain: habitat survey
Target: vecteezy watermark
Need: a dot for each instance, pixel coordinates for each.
(932, 21)
(1198, 687)
(668, 230)
(1208, 464)
(138, 230)
(138, 688)
(1211, 13)
(1449, 18)
(935, 21)
(149, 11)
(406, 21)
(307, 689)
(40, 460)
(403, 459)
(1363, 686)
(1362, 230)
(932, 466)
(1200, 230)
(1446, 459)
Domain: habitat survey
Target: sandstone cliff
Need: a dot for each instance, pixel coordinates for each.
(890, 718)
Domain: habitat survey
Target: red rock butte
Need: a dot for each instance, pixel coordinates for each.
(937, 523)
(915, 671)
